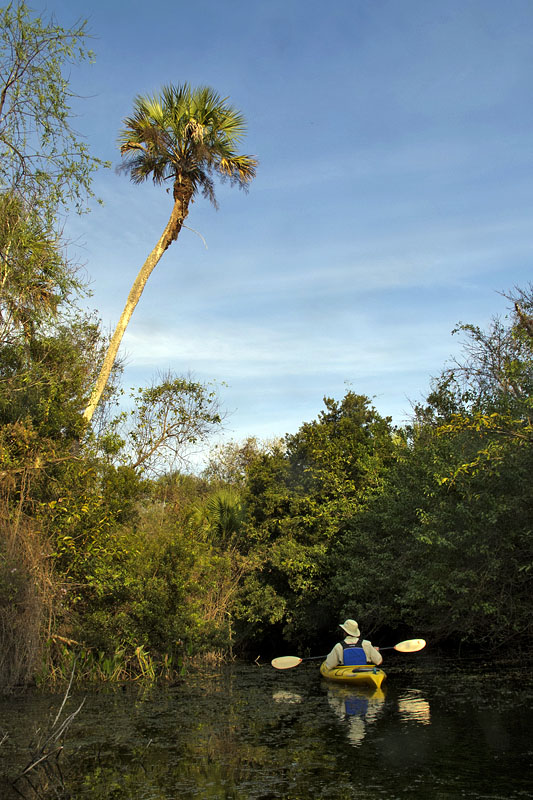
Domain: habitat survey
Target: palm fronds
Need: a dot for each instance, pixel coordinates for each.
(187, 136)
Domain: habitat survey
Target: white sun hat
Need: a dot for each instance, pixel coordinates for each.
(351, 627)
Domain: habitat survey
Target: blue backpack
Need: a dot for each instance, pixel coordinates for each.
(353, 654)
(356, 706)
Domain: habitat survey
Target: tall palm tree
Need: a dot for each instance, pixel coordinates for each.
(187, 137)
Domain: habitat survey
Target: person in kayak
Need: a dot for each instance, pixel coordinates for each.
(353, 650)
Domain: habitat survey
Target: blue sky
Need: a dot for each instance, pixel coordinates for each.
(394, 195)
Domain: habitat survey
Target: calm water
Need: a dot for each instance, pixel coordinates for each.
(439, 729)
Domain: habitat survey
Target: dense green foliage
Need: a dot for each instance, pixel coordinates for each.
(447, 545)
(299, 497)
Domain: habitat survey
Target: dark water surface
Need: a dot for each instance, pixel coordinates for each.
(440, 728)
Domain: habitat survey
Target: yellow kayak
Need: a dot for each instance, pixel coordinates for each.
(366, 675)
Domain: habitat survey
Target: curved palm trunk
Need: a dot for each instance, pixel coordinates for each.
(170, 234)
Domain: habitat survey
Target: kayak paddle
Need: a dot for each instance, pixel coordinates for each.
(287, 662)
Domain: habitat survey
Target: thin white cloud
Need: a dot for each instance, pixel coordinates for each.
(248, 351)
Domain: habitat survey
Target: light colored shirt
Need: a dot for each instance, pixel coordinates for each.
(336, 657)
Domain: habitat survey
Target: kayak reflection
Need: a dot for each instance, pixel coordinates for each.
(358, 706)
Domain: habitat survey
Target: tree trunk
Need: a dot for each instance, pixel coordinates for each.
(170, 234)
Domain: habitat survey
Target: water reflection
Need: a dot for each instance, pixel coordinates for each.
(256, 734)
(359, 707)
(287, 697)
(413, 707)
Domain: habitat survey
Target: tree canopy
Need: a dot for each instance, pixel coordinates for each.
(42, 158)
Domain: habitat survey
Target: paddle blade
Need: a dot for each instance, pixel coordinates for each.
(286, 662)
(410, 645)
